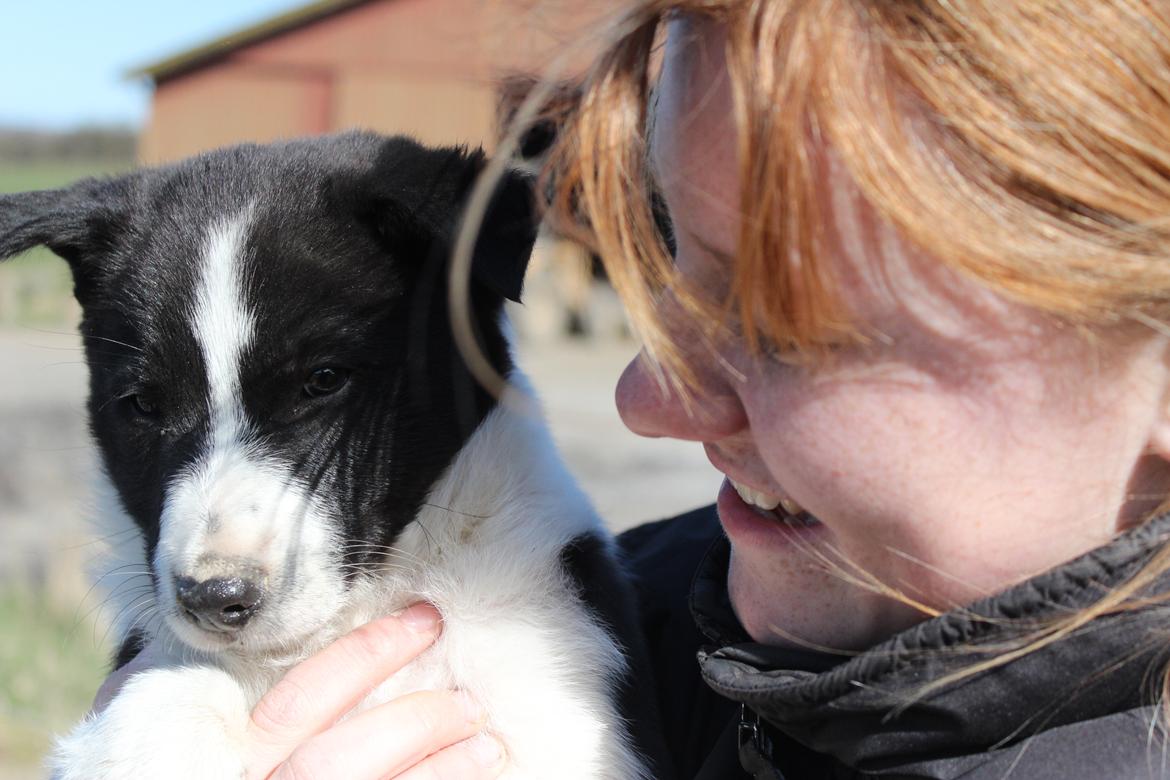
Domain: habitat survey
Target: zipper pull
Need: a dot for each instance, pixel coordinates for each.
(755, 747)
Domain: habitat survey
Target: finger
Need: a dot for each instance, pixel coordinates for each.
(112, 684)
(386, 740)
(479, 758)
(316, 692)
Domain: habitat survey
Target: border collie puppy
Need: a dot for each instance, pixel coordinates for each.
(295, 447)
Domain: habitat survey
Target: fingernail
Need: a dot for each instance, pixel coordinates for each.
(471, 708)
(420, 618)
(485, 751)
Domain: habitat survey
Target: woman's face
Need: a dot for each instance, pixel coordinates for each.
(973, 444)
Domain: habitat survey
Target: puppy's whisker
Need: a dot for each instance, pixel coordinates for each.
(426, 532)
(383, 559)
(369, 545)
(377, 546)
(119, 571)
(145, 615)
(384, 555)
(106, 538)
(107, 402)
(374, 567)
(126, 569)
(113, 341)
(124, 589)
(136, 568)
(126, 609)
(60, 363)
(457, 512)
(80, 618)
(127, 590)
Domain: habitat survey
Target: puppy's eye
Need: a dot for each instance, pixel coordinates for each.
(142, 405)
(326, 380)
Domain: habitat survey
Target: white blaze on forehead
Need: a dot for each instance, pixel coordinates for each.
(236, 504)
(223, 324)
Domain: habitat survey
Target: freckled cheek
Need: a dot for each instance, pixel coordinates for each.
(861, 461)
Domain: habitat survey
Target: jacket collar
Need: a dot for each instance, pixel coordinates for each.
(872, 710)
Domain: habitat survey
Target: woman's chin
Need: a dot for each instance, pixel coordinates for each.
(797, 603)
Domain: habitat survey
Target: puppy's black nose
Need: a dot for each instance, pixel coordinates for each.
(220, 603)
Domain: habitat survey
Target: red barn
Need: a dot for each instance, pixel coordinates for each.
(431, 68)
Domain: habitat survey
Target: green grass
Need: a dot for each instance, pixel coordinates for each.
(51, 663)
(35, 288)
(18, 177)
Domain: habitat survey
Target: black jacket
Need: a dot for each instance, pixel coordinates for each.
(1081, 707)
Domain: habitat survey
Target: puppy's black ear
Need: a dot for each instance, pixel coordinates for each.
(505, 238)
(416, 197)
(74, 222)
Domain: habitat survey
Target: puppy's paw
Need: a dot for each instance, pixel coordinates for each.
(186, 724)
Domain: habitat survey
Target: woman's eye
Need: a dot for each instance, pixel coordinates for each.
(326, 380)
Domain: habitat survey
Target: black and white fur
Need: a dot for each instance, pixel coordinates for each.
(281, 412)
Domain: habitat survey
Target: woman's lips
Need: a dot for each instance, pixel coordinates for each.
(746, 521)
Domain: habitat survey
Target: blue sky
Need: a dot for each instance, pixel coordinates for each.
(62, 62)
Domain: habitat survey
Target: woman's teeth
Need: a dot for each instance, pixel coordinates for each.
(756, 498)
(766, 501)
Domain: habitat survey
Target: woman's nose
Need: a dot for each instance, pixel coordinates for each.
(711, 412)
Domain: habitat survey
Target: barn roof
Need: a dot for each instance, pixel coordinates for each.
(226, 44)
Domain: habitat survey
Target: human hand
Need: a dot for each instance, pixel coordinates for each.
(293, 733)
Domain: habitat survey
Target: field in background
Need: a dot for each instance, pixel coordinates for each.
(53, 653)
(51, 659)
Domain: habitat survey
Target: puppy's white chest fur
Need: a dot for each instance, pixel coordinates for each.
(487, 550)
